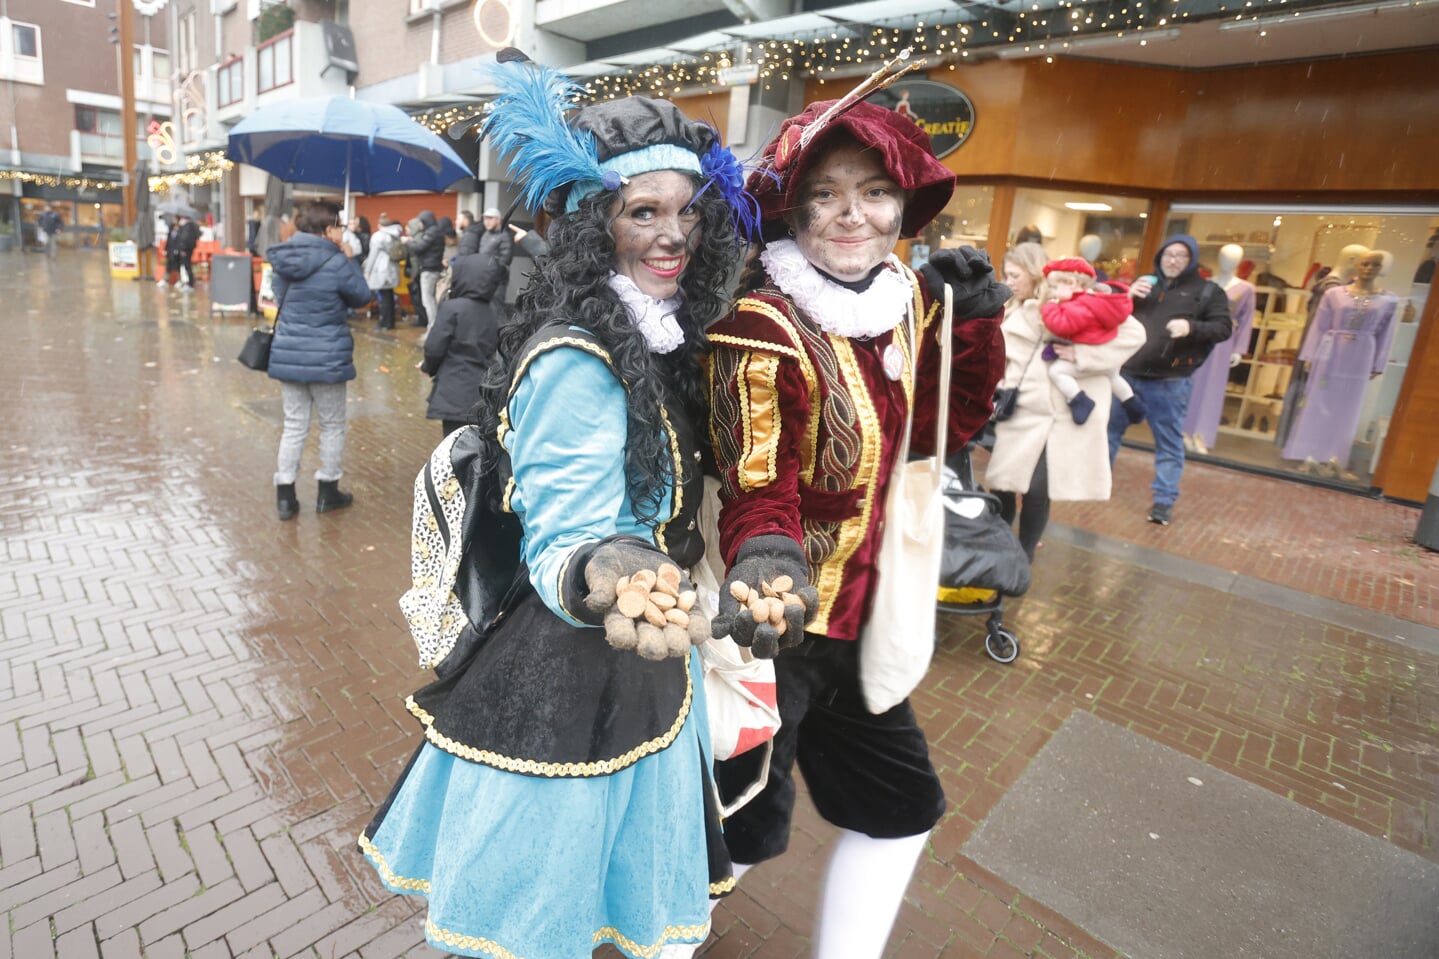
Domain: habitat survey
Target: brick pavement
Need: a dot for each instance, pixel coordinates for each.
(200, 707)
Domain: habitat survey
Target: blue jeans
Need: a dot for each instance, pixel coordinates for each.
(1168, 401)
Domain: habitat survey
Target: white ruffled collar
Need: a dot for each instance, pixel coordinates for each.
(833, 308)
(655, 319)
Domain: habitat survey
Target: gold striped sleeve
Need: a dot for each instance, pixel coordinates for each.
(759, 406)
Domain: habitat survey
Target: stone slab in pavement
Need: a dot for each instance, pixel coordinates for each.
(1165, 857)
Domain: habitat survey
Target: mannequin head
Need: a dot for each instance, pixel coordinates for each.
(1369, 268)
(1089, 246)
(1349, 258)
(1230, 254)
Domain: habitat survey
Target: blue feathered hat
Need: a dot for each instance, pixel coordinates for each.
(559, 160)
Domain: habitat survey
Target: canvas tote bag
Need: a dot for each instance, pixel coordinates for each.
(896, 645)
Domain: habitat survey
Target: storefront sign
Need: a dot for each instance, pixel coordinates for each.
(944, 112)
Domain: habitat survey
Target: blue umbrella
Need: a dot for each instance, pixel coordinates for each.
(335, 141)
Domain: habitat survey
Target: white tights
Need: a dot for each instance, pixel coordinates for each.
(863, 890)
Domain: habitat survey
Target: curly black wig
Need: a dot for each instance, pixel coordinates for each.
(571, 286)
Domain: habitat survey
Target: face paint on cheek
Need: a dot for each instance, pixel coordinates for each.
(891, 226)
(805, 216)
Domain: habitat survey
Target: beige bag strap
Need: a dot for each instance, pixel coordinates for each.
(946, 359)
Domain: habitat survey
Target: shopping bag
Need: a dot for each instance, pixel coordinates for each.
(739, 688)
(897, 643)
(256, 352)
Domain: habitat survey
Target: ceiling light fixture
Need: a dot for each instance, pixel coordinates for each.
(1090, 207)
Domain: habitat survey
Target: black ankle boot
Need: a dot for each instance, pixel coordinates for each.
(331, 498)
(285, 502)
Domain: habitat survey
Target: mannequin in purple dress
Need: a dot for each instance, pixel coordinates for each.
(1341, 273)
(1206, 402)
(1347, 345)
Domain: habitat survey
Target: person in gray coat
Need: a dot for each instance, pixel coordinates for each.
(463, 339)
(313, 353)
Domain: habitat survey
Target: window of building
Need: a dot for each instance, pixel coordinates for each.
(421, 6)
(230, 80)
(160, 64)
(1317, 360)
(274, 62)
(26, 40)
(99, 131)
(185, 51)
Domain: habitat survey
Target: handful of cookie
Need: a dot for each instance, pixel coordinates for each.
(767, 603)
(655, 614)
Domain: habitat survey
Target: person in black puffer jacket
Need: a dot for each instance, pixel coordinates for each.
(1184, 315)
(427, 258)
(312, 354)
(463, 339)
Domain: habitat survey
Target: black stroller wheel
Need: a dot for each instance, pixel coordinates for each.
(1001, 645)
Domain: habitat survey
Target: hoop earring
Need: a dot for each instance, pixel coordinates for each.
(791, 231)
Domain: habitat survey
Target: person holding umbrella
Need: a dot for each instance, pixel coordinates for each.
(312, 354)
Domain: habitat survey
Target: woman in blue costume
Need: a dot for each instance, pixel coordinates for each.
(562, 796)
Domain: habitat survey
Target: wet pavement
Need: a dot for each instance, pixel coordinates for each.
(200, 706)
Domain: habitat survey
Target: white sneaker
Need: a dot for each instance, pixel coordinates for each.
(187, 288)
(161, 284)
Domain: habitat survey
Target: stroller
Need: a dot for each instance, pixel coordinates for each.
(983, 561)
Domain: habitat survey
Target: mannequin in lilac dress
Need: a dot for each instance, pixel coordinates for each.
(1347, 344)
(1206, 402)
(1341, 273)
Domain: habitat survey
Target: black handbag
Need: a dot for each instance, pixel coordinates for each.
(256, 352)
(1005, 400)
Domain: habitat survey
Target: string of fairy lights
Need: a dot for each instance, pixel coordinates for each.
(200, 169)
(60, 180)
(965, 34)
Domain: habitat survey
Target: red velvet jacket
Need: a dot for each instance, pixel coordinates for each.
(1088, 318)
(806, 426)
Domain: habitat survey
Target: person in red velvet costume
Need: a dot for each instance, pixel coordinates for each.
(810, 385)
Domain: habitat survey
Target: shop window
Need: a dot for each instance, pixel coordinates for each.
(230, 80)
(274, 62)
(1318, 360)
(1064, 219)
(964, 221)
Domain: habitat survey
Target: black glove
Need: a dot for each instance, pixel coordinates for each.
(760, 562)
(591, 593)
(977, 294)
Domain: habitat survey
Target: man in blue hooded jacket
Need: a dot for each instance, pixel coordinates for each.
(1184, 316)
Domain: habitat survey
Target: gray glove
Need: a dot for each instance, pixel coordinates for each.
(766, 561)
(598, 590)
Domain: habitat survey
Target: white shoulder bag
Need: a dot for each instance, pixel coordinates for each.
(897, 644)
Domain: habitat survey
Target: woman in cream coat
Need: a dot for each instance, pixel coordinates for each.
(1040, 451)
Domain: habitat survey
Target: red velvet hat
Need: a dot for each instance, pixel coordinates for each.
(1069, 264)
(904, 150)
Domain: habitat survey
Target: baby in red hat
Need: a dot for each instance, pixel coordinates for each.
(1079, 311)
